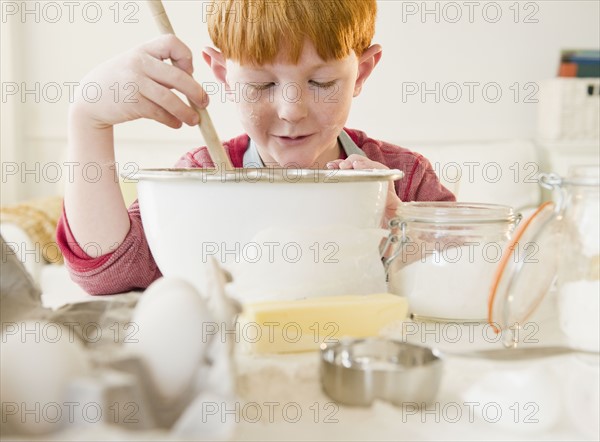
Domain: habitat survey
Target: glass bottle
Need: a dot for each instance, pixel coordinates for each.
(578, 274)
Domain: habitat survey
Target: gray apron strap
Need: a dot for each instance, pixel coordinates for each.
(253, 160)
(349, 146)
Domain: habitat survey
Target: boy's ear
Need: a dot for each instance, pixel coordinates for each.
(215, 60)
(366, 63)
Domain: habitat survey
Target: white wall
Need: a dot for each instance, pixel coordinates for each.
(420, 51)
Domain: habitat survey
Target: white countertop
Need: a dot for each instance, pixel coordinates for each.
(281, 398)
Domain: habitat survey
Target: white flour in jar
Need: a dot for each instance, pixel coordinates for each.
(452, 283)
(579, 313)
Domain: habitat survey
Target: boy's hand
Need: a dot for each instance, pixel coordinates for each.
(359, 162)
(137, 84)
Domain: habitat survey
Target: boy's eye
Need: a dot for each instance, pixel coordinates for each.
(323, 85)
(260, 86)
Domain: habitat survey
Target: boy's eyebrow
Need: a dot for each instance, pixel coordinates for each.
(311, 68)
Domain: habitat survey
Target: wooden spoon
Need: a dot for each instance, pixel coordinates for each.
(213, 142)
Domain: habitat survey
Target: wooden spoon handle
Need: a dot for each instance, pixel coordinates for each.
(213, 142)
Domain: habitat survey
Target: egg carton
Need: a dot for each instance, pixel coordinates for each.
(59, 378)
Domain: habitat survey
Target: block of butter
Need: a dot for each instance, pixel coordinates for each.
(302, 325)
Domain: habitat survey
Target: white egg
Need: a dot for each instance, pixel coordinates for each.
(38, 361)
(171, 338)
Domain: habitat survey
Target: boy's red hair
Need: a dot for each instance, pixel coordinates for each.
(254, 31)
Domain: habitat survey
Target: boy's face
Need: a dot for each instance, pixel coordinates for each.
(294, 112)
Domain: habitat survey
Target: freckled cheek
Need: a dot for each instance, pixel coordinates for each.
(253, 114)
(335, 113)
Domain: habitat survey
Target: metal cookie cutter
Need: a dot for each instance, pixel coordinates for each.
(358, 371)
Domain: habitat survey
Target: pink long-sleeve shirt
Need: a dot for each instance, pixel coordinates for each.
(131, 265)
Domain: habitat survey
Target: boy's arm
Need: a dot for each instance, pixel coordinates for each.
(136, 84)
(129, 267)
(104, 244)
(94, 204)
(424, 184)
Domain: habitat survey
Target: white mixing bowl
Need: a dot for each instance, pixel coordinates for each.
(192, 214)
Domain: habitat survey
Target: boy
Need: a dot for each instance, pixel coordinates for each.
(299, 64)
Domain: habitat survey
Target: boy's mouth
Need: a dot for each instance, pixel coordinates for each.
(292, 140)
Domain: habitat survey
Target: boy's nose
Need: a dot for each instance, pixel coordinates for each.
(293, 107)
